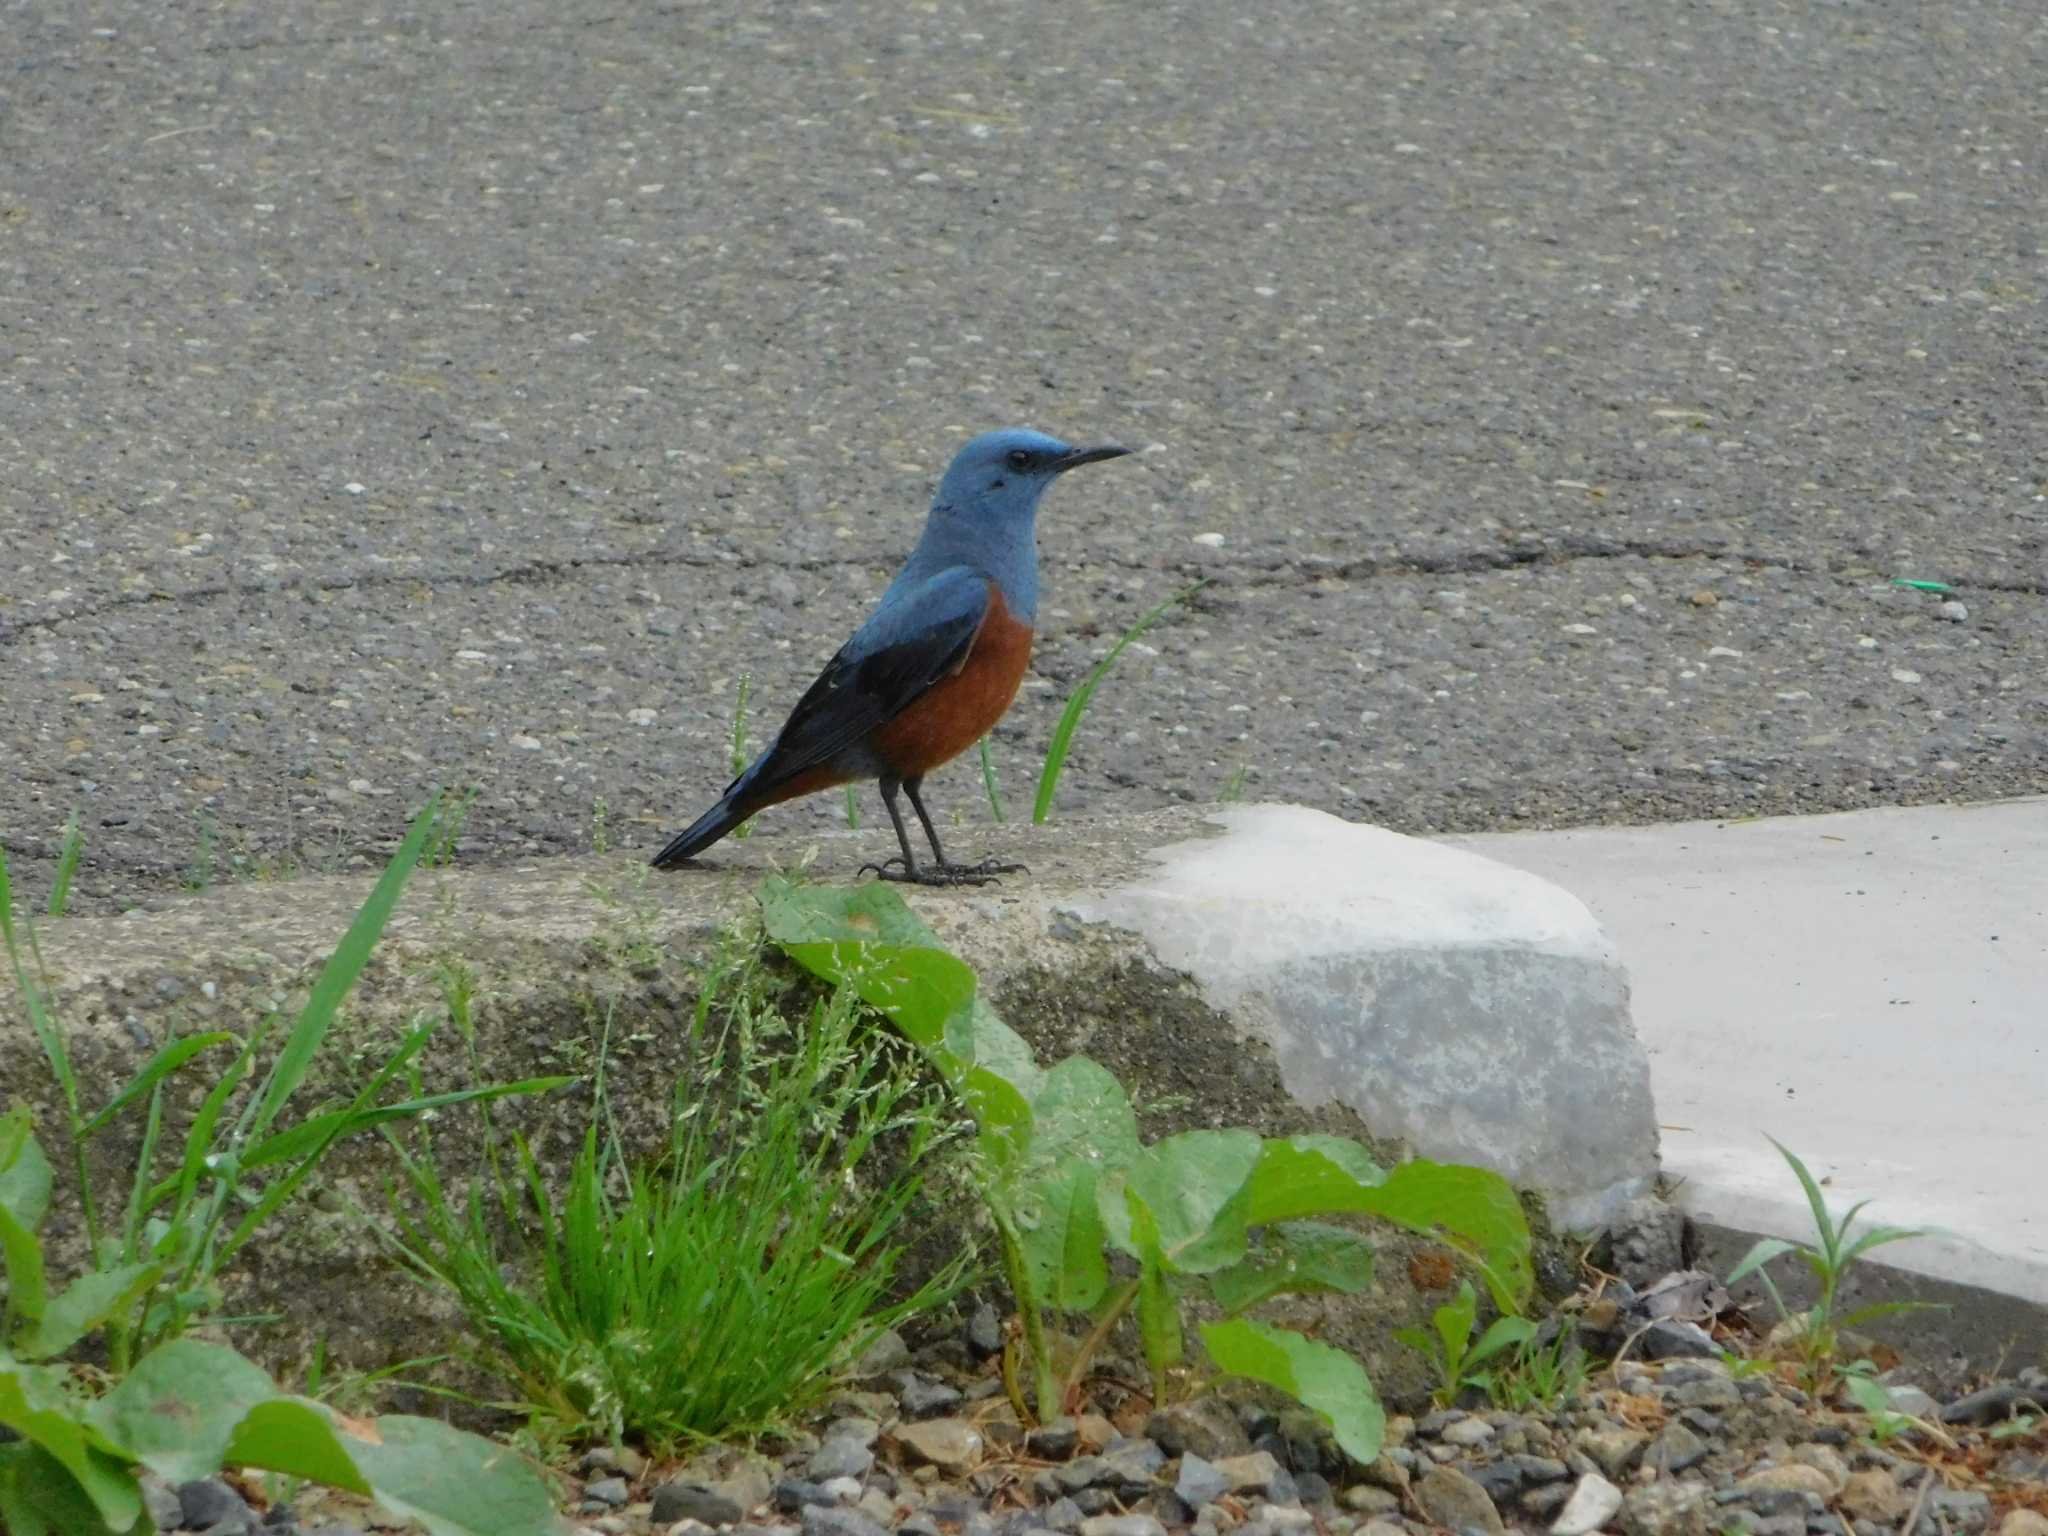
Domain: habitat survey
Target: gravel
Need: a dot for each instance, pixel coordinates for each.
(1632, 1455)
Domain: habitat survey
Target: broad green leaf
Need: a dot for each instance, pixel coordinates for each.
(1325, 1380)
(1761, 1252)
(295, 1057)
(177, 1410)
(40, 1497)
(298, 1438)
(795, 913)
(83, 1305)
(978, 1036)
(1473, 1209)
(24, 1171)
(1158, 1315)
(1185, 1181)
(1502, 1333)
(1082, 1129)
(22, 1252)
(1003, 1116)
(1296, 1257)
(1453, 1322)
(35, 1405)
(453, 1483)
(1308, 1176)
(160, 1066)
(1083, 1273)
(866, 937)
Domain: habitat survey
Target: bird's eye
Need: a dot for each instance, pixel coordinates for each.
(1019, 459)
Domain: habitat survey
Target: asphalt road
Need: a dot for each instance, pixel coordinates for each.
(473, 392)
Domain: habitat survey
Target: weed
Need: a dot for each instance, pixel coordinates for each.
(988, 782)
(1452, 1352)
(600, 827)
(177, 1406)
(1818, 1328)
(1742, 1367)
(714, 1290)
(1222, 1215)
(1078, 701)
(67, 867)
(1233, 787)
(447, 830)
(852, 810)
(199, 874)
(2016, 1427)
(1543, 1374)
(1863, 1388)
(739, 755)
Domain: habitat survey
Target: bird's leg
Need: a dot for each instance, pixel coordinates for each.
(885, 869)
(988, 869)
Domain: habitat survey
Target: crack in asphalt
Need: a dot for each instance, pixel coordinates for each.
(1292, 571)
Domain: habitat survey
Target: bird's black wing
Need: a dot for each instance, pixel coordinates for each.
(915, 638)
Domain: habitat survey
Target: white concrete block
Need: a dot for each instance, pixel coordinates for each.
(1475, 1011)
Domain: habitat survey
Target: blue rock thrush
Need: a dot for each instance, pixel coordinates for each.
(935, 665)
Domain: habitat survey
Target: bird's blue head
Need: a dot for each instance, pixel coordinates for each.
(985, 512)
(1002, 474)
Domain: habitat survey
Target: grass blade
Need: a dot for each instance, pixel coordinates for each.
(988, 782)
(161, 1065)
(1077, 704)
(341, 971)
(32, 998)
(321, 1131)
(1830, 1238)
(67, 867)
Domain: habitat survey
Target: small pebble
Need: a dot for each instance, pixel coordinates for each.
(1593, 1502)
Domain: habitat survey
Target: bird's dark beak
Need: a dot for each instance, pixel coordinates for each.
(1074, 458)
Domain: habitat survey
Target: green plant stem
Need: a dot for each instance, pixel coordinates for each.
(1048, 1384)
(1118, 1306)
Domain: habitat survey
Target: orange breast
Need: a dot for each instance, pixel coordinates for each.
(957, 711)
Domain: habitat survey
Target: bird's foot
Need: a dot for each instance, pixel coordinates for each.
(984, 873)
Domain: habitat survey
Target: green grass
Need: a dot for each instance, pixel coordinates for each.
(453, 816)
(1818, 1328)
(739, 755)
(1072, 714)
(67, 867)
(715, 1289)
(1078, 702)
(199, 874)
(190, 1207)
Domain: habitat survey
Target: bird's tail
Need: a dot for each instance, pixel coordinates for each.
(702, 833)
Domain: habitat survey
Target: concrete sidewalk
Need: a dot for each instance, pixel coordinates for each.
(1871, 988)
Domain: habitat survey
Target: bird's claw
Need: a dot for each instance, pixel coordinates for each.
(984, 873)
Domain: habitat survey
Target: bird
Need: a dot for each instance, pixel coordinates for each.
(932, 668)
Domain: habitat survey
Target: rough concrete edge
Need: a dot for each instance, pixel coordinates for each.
(1578, 938)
